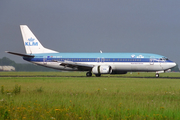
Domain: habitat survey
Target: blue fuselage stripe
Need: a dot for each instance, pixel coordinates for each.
(95, 59)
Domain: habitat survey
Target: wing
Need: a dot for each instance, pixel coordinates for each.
(79, 66)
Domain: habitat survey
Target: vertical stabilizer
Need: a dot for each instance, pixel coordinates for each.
(31, 43)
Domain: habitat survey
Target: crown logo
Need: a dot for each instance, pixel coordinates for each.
(31, 39)
(132, 56)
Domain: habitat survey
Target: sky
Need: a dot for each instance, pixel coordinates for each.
(145, 26)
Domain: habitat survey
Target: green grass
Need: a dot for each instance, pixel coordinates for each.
(83, 74)
(88, 97)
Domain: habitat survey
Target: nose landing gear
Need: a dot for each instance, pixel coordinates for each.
(157, 75)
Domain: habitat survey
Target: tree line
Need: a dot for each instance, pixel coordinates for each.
(23, 66)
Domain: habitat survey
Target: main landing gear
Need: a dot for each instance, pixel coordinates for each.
(88, 74)
(98, 75)
(157, 75)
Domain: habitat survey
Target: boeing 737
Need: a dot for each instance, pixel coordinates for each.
(93, 63)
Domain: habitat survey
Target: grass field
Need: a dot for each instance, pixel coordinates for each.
(100, 98)
(82, 74)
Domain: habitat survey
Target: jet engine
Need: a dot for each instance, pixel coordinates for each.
(102, 69)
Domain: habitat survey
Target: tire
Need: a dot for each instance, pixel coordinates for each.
(157, 75)
(88, 74)
(98, 75)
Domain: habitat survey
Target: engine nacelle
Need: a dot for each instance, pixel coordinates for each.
(103, 69)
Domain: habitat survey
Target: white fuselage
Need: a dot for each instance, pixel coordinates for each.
(123, 61)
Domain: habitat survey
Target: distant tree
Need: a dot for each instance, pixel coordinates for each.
(6, 61)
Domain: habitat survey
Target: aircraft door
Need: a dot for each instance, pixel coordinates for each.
(98, 60)
(161, 62)
(151, 60)
(102, 60)
(44, 60)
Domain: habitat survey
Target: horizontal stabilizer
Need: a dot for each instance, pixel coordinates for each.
(20, 54)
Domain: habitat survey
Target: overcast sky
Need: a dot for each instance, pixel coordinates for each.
(148, 26)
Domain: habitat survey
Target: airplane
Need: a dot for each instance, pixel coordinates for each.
(93, 63)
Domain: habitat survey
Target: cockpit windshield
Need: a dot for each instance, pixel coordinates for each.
(164, 58)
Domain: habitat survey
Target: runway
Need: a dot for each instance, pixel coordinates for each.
(94, 77)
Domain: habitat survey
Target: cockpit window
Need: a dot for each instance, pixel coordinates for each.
(163, 58)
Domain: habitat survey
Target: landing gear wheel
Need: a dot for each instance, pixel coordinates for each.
(157, 75)
(88, 74)
(98, 75)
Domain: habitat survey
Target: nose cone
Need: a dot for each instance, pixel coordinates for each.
(173, 64)
(168, 65)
